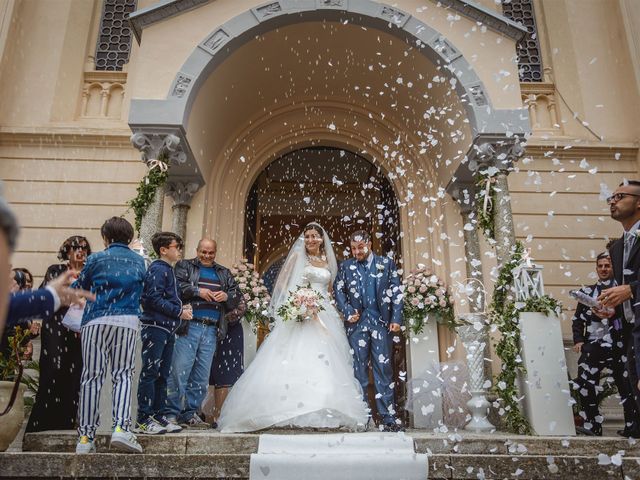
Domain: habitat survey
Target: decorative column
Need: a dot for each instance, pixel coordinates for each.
(157, 151)
(464, 194)
(498, 156)
(182, 193)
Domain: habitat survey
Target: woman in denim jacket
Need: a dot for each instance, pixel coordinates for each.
(109, 332)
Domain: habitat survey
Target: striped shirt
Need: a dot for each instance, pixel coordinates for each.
(208, 279)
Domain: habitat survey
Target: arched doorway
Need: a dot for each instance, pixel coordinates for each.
(335, 187)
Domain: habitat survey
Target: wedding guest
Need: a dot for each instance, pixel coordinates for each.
(624, 206)
(28, 282)
(21, 281)
(56, 403)
(163, 311)
(8, 239)
(228, 361)
(211, 290)
(108, 333)
(596, 336)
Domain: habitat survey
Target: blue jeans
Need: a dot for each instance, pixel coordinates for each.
(157, 353)
(190, 367)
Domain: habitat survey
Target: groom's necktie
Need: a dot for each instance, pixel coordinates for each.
(362, 271)
(629, 240)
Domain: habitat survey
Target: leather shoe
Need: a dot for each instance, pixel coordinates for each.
(392, 427)
(629, 433)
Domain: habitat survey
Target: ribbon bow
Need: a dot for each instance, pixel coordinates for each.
(487, 197)
(153, 163)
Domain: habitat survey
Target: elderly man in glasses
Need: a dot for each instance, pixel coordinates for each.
(624, 206)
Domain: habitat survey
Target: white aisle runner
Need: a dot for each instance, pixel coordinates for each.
(352, 456)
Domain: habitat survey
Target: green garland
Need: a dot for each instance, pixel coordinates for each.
(485, 218)
(504, 312)
(415, 317)
(146, 192)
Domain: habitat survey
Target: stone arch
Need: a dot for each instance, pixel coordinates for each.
(226, 38)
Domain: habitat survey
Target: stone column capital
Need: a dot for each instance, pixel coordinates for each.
(182, 192)
(464, 194)
(500, 152)
(159, 146)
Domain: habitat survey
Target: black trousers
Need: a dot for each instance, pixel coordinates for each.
(593, 359)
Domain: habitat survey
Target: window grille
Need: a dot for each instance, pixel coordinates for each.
(114, 38)
(529, 55)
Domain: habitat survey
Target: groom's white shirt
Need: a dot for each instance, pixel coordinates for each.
(369, 260)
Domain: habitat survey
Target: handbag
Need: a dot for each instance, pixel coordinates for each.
(72, 320)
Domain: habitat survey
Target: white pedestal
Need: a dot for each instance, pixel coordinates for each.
(250, 343)
(423, 356)
(546, 386)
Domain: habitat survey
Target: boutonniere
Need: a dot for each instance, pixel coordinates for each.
(379, 267)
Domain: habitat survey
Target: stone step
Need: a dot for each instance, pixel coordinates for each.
(45, 465)
(209, 454)
(211, 442)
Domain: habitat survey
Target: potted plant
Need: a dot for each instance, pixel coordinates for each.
(11, 389)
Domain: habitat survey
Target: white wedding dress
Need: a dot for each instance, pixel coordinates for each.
(302, 375)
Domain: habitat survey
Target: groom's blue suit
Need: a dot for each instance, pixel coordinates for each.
(372, 288)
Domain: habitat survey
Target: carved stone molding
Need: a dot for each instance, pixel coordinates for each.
(499, 153)
(154, 146)
(182, 192)
(463, 193)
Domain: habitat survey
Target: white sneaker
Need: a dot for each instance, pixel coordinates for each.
(150, 427)
(170, 424)
(85, 445)
(125, 441)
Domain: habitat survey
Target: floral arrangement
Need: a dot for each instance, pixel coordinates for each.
(301, 305)
(425, 293)
(254, 292)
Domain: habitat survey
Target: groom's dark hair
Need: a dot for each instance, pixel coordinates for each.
(360, 236)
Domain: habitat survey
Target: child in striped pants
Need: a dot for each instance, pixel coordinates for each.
(109, 333)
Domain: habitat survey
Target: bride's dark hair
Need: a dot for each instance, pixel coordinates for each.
(317, 228)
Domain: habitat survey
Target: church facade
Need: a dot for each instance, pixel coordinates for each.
(353, 113)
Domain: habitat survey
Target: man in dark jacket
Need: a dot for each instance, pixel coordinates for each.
(211, 290)
(597, 337)
(162, 312)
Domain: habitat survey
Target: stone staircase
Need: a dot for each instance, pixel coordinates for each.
(211, 455)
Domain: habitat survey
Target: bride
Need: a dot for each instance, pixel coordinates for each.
(302, 375)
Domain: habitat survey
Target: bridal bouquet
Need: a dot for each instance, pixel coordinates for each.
(254, 292)
(425, 293)
(303, 303)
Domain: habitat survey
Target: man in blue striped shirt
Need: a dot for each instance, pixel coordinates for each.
(211, 290)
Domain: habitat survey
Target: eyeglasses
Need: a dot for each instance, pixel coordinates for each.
(177, 246)
(80, 247)
(619, 196)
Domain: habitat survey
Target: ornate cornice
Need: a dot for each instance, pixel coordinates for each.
(161, 11)
(65, 137)
(169, 8)
(486, 16)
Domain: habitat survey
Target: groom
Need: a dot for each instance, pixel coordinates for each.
(367, 293)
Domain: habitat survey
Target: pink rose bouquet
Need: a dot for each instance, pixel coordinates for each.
(423, 294)
(303, 304)
(254, 292)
